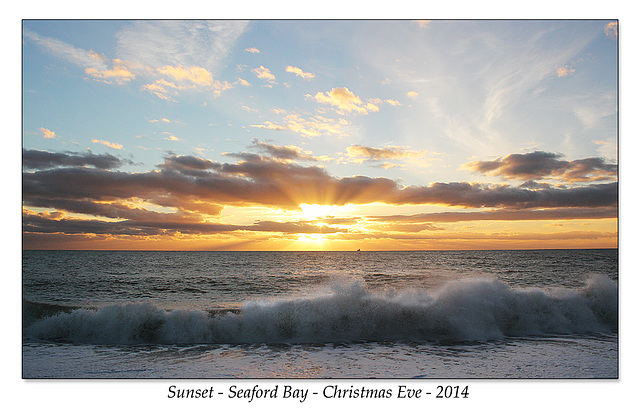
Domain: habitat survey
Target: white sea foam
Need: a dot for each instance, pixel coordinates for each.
(465, 310)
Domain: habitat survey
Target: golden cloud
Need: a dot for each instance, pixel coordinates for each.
(345, 101)
(389, 152)
(119, 73)
(565, 71)
(194, 74)
(611, 29)
(264, 73)
(117, 146)
(47, 134)
(312, 127)
(298, 72)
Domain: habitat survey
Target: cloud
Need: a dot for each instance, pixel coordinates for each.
(152, 224)
(257, 180)
(506, 215)
(305, 227)
(254, 180)
(607, 148)
(194, 74)
(188, 165)
(38, 159)
(187, 80)
(118, 74)
(161, 120)
(80, 57)
(179, 43)
(252, 50)
(345, 101)
(311, 127)
(279, 152)
(390, 102)
(388, 229)
(611, 29)
(264, 73)
(168, 56)
(197, 189)
(181, 78)
(288, 153)
(47, 134)
(116, 146)
(540, 165)
(95, 65)
(477, 195)
(298, 72)
(388, 152)
(565, 71)
(130, 227)
(360, 154)
(171, 137)
(412, 95)
(162, 89)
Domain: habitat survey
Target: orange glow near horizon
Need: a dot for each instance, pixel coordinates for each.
(369, 236)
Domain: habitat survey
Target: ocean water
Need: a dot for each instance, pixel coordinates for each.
(430, 314)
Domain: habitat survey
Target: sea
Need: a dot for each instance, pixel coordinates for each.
(529, 314)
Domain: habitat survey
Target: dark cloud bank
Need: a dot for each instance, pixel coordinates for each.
(539, 165)
(89, 184)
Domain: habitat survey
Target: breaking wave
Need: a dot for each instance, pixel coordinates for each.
(467, 310)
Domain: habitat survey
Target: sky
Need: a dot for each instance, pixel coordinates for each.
(319, 134)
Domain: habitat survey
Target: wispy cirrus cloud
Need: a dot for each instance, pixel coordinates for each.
(80, 57)
(167, 56)
(95, 65)
(179, 43)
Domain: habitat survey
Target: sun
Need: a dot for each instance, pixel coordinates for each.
(310, 242)
(316, 211)
(311, 238)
